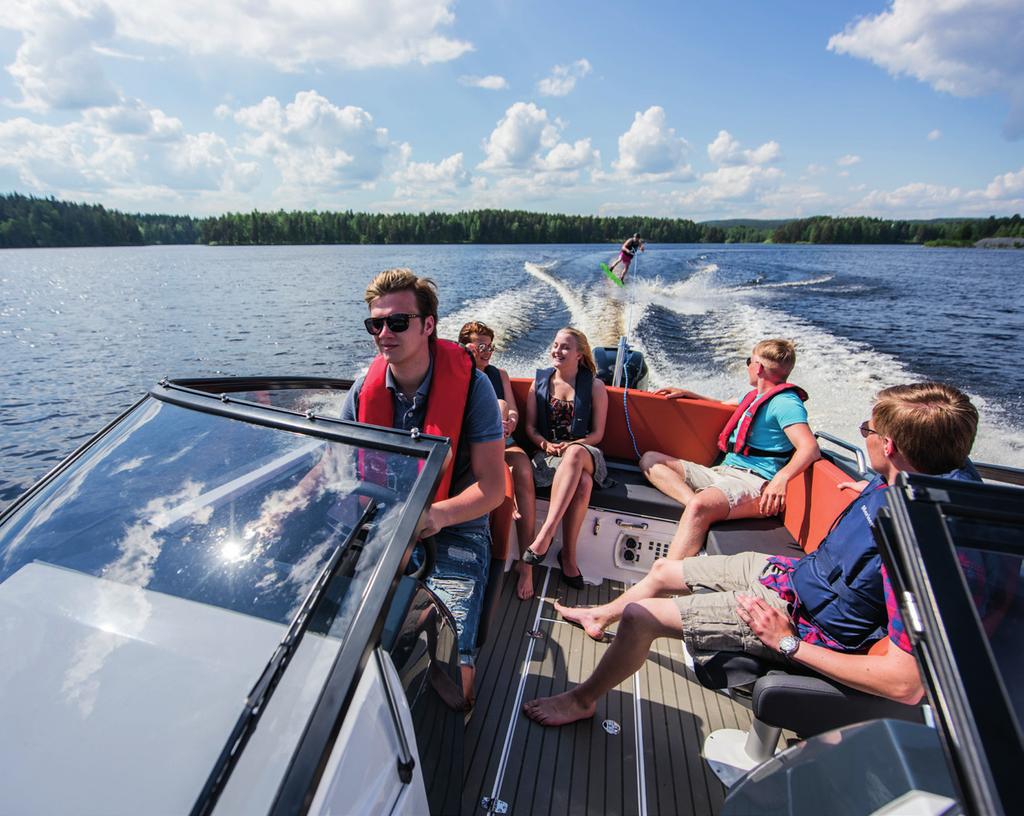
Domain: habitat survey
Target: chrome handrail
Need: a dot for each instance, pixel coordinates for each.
(862, 464)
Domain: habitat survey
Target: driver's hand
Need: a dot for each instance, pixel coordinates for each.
(433, 522)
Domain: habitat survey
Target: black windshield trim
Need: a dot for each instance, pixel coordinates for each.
(234, 385)
(392, 440)
(300, 781)
(957, 662)
(259, 696)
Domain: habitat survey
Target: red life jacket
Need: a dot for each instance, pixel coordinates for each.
(745, 422)
(446, 405)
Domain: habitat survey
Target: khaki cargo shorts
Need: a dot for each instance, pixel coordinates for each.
(710, 621)
(739, 486)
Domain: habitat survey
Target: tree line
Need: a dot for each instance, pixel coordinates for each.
(26, 221)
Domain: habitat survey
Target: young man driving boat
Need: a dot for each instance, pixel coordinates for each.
(418, 381)
(821, 611)
(766, 442)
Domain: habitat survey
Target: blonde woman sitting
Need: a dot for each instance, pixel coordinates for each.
(565, 418)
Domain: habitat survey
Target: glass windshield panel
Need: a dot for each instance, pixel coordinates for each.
(202, 507)
(144, 590)
(996, 584)
(322, 401)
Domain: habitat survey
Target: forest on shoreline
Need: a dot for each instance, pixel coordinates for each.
(28, 221)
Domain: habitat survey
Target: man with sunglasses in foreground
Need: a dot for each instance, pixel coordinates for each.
(418, 381)
(821, 611)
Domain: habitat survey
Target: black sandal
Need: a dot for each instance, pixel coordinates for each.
(574, 581)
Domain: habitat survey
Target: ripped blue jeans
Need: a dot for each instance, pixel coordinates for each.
(459, 580)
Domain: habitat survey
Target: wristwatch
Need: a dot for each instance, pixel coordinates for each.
(788, 645)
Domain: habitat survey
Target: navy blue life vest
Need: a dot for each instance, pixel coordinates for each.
(839, 585)
(581, 403)
(494, 375)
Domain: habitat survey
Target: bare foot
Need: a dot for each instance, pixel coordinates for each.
(584, 617)
(524, 589)
(561, 709)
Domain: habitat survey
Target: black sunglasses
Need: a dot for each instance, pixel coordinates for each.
(397, 322)
(866, 430)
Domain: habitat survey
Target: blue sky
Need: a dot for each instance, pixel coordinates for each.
(910, 108)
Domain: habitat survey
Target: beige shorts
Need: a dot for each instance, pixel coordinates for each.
(710, 621)
(739, 486)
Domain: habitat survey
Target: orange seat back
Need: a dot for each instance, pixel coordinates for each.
(687, 429)
(813, 502)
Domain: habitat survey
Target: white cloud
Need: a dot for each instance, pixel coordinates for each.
(651, 151)
(426, 179)
(934, 135)
(101, 153)
(59, 65)
(736, 183)
(1004, 194)
(815, 169)
(564, 78)
(491, 82)
(1009, 186)
(962, 47)
(849, 160)
(725, 150)
(359, 34)
(55, 65)
(315, 143)
(527, 139)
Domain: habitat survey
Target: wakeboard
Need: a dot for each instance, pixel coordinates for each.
(612, 276)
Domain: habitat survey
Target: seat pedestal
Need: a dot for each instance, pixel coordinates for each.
(730, 753)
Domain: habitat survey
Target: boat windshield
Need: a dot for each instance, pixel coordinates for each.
(144, 589)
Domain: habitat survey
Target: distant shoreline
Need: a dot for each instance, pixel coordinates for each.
(29, 222)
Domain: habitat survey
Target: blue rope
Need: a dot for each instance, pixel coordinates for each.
(625, 408)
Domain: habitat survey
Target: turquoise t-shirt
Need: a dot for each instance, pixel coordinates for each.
(767, 433)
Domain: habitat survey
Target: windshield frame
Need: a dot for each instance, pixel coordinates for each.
(950, 644)
(302, 774)
(306, 766)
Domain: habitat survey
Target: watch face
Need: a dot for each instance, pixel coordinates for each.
(788, 645)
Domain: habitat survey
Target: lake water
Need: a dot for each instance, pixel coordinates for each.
(85, 332)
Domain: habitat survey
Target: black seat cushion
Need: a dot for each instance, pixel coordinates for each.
(764, 535)
(631, 495)
(797, 699)
(811, 704)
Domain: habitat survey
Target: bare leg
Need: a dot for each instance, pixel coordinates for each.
(468, 677)
(576, 463)
(665, 578)
(572, 522)
(709, 506)
(526, 523)
(642, 622)
(668, 474)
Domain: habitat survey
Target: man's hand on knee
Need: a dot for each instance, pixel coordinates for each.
(768, 623)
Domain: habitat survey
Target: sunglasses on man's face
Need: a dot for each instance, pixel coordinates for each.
(397, 322)
(866, 430)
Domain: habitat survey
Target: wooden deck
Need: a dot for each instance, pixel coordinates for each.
(652, 765)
